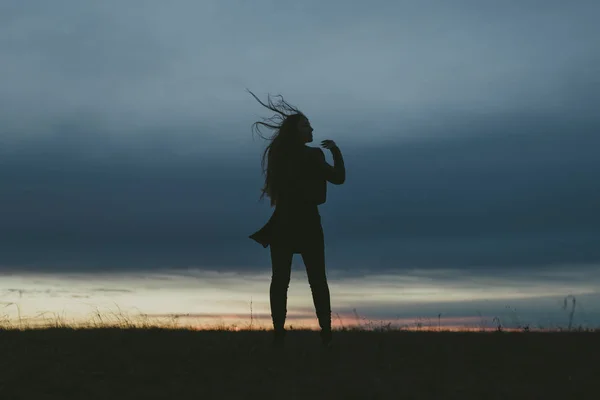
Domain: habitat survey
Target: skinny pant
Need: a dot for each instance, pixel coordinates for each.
(314, 261)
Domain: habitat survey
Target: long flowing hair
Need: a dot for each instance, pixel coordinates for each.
(282, 143)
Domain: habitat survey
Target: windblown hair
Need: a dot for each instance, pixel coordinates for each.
(282, 143)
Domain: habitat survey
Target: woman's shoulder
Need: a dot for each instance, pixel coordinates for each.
(314, 151)
(314, 158)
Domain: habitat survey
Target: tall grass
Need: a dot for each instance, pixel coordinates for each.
(572, 313)
(125, 320)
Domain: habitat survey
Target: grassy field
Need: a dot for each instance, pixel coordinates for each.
(116, 363)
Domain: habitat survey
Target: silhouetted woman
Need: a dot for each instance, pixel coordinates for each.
(296, 179)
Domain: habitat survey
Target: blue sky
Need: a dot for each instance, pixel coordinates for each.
(469, 131)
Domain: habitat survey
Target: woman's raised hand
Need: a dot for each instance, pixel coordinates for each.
(328, 144)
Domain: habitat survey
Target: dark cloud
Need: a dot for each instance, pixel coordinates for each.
(110, 290)
(496, 190)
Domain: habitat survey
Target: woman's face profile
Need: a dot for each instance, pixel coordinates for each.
(305, 130)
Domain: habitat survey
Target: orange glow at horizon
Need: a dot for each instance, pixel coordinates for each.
(208, 298)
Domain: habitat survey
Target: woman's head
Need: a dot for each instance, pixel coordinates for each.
(291, 131)
(296, 128)
(289, 124)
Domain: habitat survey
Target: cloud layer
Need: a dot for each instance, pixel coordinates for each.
(523, 192)
(469, 131)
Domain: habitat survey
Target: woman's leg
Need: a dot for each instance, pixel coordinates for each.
(314, 260)
(281, 263)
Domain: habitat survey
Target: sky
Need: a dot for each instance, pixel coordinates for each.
(130, 175)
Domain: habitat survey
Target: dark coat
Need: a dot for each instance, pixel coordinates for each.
(296, 221)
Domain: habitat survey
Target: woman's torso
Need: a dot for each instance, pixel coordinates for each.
(299, 186)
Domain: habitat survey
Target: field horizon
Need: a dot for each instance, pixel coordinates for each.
(152, 362)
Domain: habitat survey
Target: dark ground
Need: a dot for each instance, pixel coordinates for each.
(177, 364)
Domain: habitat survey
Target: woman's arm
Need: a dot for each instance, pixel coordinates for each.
(335, 174)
